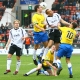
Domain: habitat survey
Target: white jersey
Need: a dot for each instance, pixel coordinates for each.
(16, 36)
(54, 20)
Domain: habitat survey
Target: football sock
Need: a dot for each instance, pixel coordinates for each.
(54, 59)
(18, 65)
(45, 52)
(34, 54)
(70, 68)
(8, 63)
(27, 51)
(44, 72)
(59, 63)
(42, 51)
(31, 71)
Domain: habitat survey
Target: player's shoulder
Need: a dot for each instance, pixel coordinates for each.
(56, 14)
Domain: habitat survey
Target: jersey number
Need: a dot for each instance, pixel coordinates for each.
(70, 35)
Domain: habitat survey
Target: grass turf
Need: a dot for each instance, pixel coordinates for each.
(27, 64)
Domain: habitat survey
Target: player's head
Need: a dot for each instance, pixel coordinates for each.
(73, 25)
(53, 48)
(49, 12)
(38, 8)
(16, 24)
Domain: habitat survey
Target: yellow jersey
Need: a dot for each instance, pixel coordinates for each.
(68, 35)
(38, 19)
(49, 57)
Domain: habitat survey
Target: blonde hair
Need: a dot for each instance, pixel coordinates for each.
(16, 21)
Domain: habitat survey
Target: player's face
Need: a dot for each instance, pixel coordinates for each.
(16, 24)
(53, 48)
(71, 25)
(50, 13)
(40, 9)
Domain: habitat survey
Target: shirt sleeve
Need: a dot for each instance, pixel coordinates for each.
(34, 19)
(58, 15)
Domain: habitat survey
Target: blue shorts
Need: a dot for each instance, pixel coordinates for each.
(65, 50)
(40, 37)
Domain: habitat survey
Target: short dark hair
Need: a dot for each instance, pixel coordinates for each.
(37, 6)
(74, 25)
(46, 11)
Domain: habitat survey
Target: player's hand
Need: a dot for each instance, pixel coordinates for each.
(42, 29)
(6, 47)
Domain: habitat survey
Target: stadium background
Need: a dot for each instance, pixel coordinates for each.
(23, 11)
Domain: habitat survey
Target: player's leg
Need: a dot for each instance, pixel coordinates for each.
(10, 53)
(51, 73)
(37, 41)
(47, 44)
(69, 67)
(68, 55)
(18, 63)
(27, 51)
(33, 70)
(36, 46)
(59, 55)
(41, 53)
(26, 47)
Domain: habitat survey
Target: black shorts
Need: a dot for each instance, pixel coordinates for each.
(13, 48)
(54, 34)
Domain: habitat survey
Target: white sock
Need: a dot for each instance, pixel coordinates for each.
(58, 63)
(70, 68)
(18, 65)
(44, 72)
(9, 63)
(42, 51)
(45, 52)
(54, 59)
(31, 71)
(34, 54)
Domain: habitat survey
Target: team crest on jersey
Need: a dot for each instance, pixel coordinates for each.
(36, 41)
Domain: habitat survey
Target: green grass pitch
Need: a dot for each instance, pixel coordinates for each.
(27, 64)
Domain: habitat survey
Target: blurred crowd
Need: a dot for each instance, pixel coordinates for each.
(68, 9)
(4, 34)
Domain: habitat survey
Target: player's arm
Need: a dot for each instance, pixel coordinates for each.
(48, 63)
(42, 29)
(35, 23)
(9, 40)
(59, 26)
(64, 22)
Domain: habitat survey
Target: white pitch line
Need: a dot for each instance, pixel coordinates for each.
(21, 64)
(30, 64)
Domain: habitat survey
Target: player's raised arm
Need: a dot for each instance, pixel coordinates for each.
(64, 22)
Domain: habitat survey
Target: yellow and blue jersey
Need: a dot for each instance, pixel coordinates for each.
(49, 57)
(68, 35)
(38, 19)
